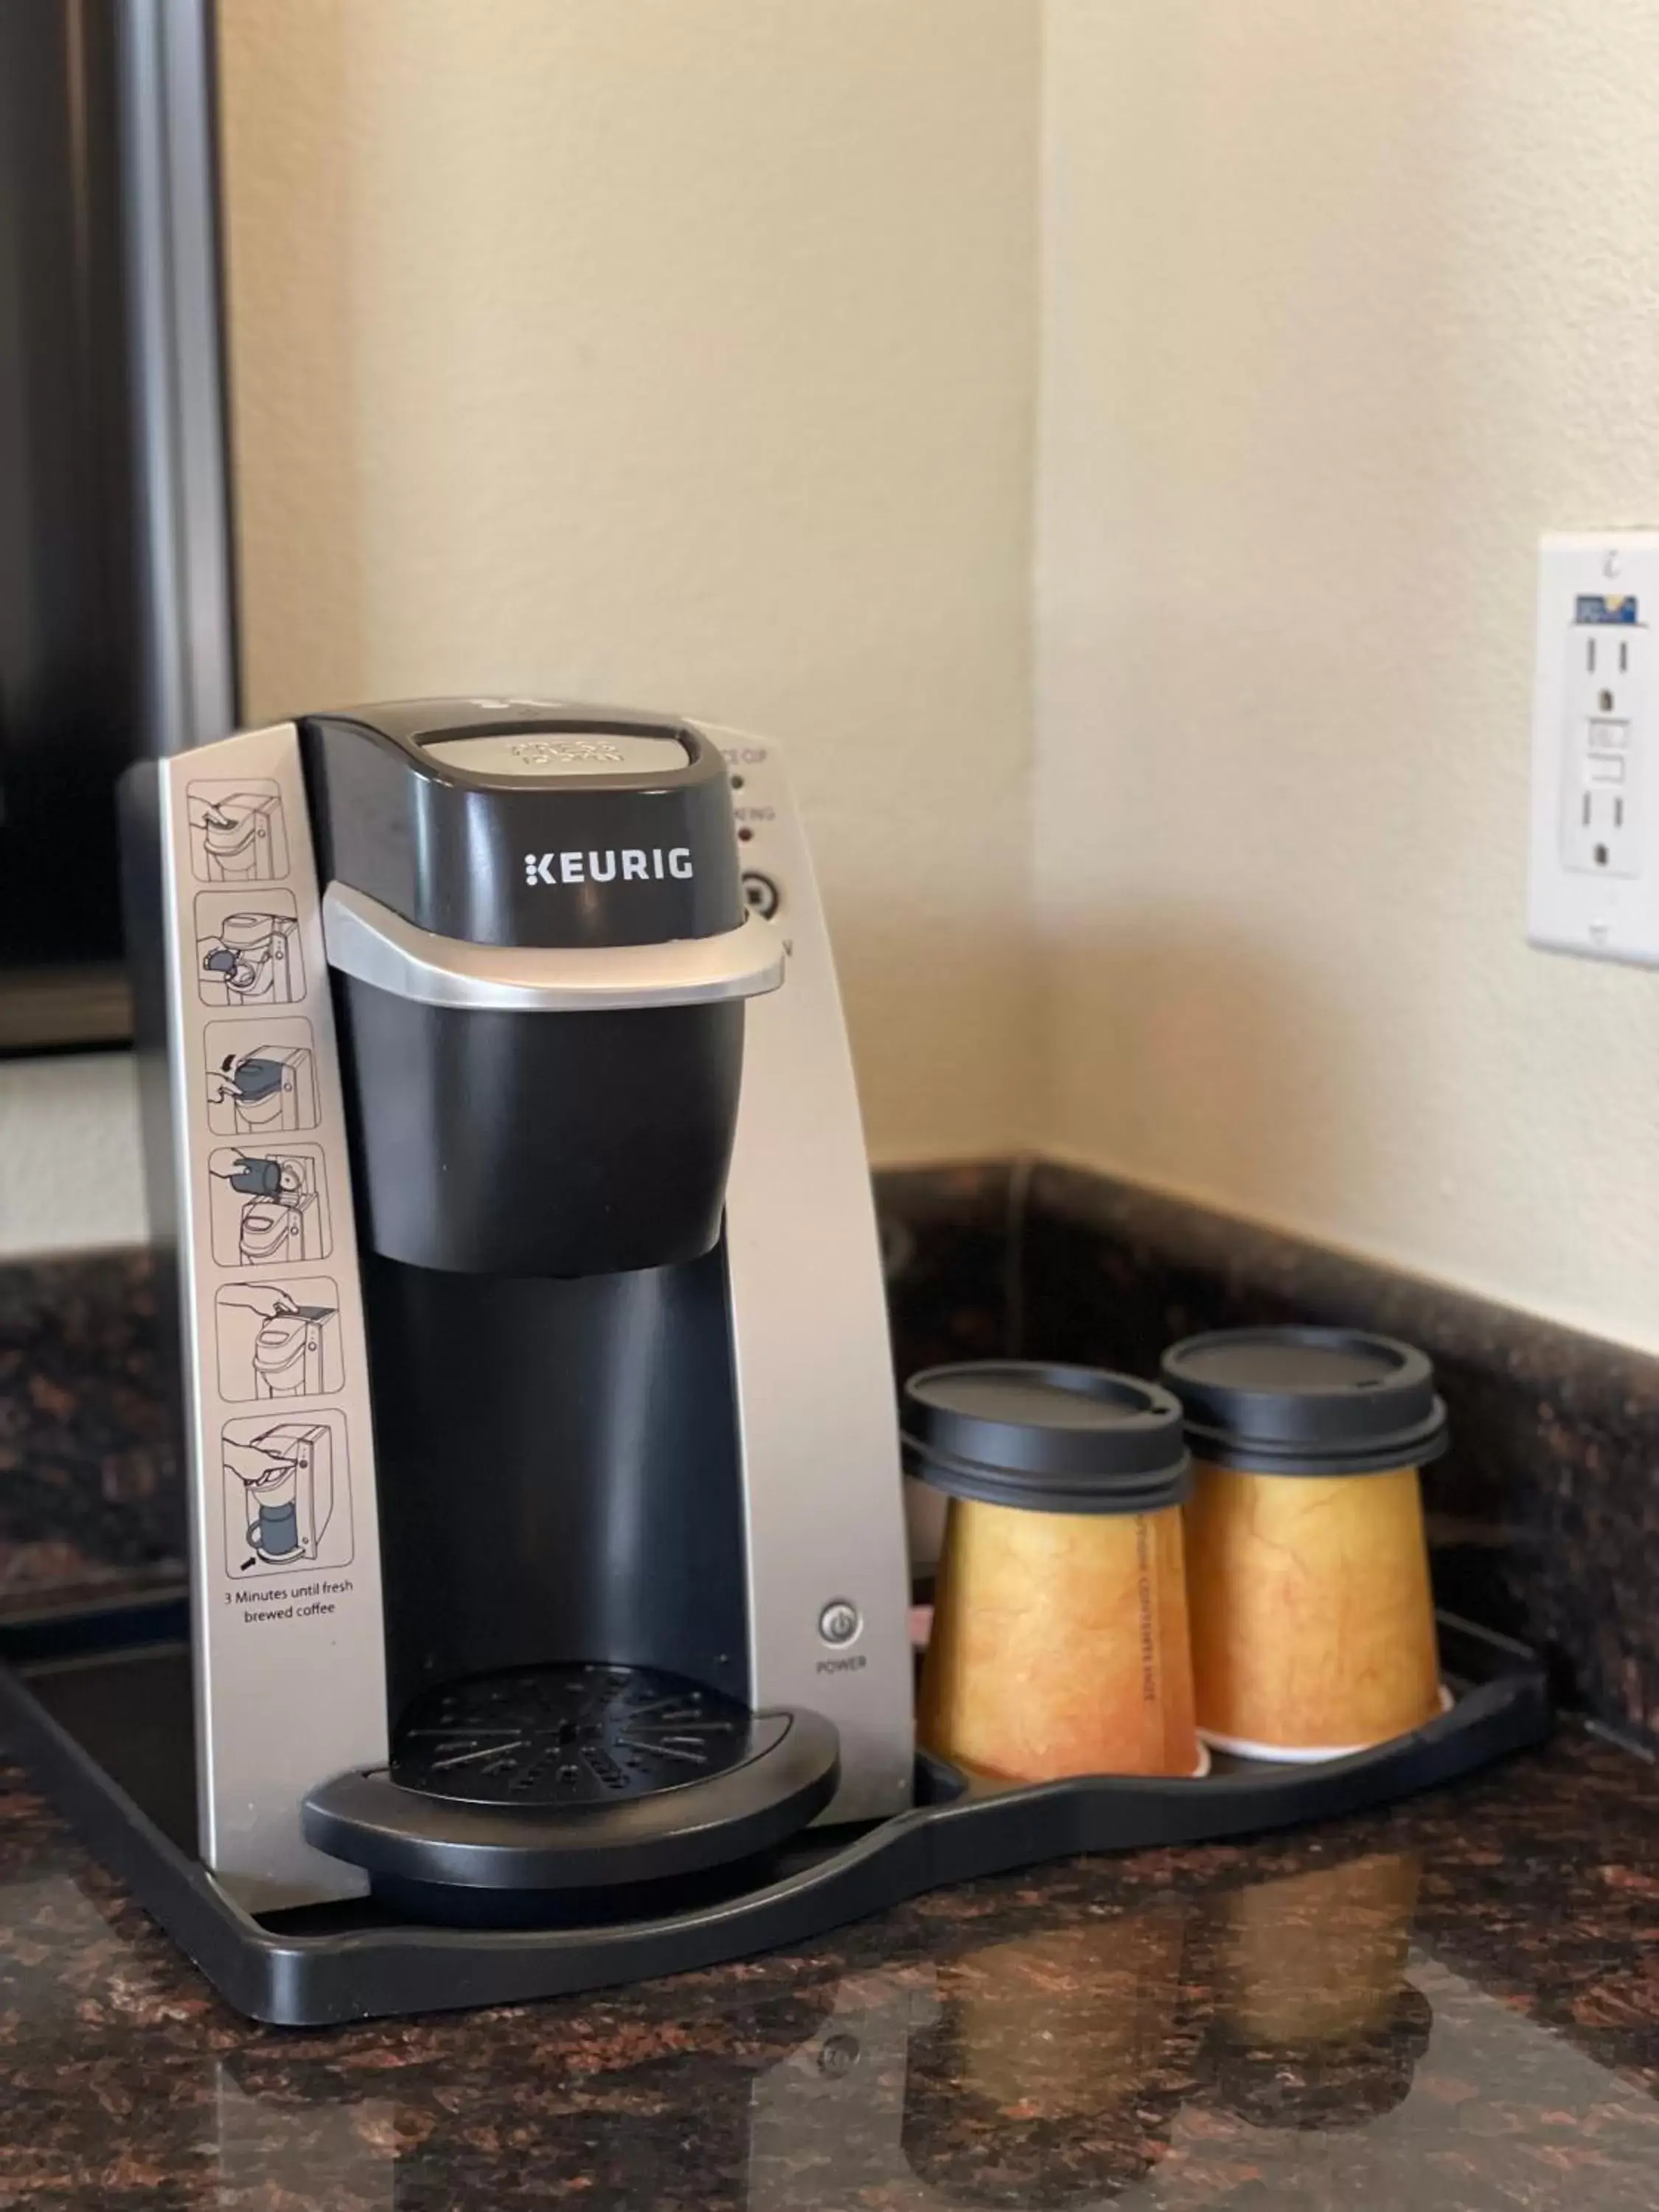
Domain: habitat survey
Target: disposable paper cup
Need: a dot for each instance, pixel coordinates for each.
(1060, 1638)
(1307, 1566)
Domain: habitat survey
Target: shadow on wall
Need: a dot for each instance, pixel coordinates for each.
(942, 1019)
(1201, 1055)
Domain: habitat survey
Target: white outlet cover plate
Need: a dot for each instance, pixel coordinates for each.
(1596, 589)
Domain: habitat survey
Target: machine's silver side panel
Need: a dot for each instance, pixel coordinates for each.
(289, 1657)
(829, 1591)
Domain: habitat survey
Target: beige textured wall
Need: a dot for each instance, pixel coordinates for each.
(69, 1171)
(1344, 304)
(683, 350)
(682, 354)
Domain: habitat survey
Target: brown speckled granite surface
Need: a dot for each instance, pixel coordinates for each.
(90, 1498)
(949, 1240)
(1453, 2006)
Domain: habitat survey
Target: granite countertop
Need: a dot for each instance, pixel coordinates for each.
(1455, 2004)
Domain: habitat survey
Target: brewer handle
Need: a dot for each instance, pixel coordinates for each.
(368, 941)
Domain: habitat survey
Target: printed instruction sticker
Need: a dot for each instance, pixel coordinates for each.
(247, 949)
(237, 833)
(268, 1207)
(278, 1340)
(261, 1077)
(288, 1492)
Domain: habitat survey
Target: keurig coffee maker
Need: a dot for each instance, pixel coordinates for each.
(535, 1189)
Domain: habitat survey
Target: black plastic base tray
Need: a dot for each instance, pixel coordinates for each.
(99, 1704)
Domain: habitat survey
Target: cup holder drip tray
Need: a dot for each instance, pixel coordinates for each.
(578, 1776)
(485, 1892)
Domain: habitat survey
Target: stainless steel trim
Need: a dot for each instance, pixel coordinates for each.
(168, 134)
(366, 940)
(822, 1505)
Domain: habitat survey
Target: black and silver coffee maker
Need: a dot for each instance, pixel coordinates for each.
(588, 1566)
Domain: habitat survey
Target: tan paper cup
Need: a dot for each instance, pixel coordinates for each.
(1060, 1645)
(1059, 1637)
(1313, 1623)
(1307, 1565)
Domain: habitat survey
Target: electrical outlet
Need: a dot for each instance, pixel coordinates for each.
(1593, 875)
(1601, 806)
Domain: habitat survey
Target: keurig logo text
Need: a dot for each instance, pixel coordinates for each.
(631, 864)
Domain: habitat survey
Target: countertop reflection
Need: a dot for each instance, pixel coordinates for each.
(1453, 2005)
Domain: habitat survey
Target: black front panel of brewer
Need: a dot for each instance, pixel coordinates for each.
(505, 1144)
(600, 859)
(557, 1473)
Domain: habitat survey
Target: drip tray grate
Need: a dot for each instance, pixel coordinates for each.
(567, 1736)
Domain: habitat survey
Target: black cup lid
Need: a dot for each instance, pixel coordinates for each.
(1056, 1439)
(1306, 1400)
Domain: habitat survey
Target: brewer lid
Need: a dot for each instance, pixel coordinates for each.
(1056, 1439)
(1295, 1401)
(523, 823)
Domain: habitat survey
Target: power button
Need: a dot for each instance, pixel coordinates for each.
(840, 1622)
(761, 894)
